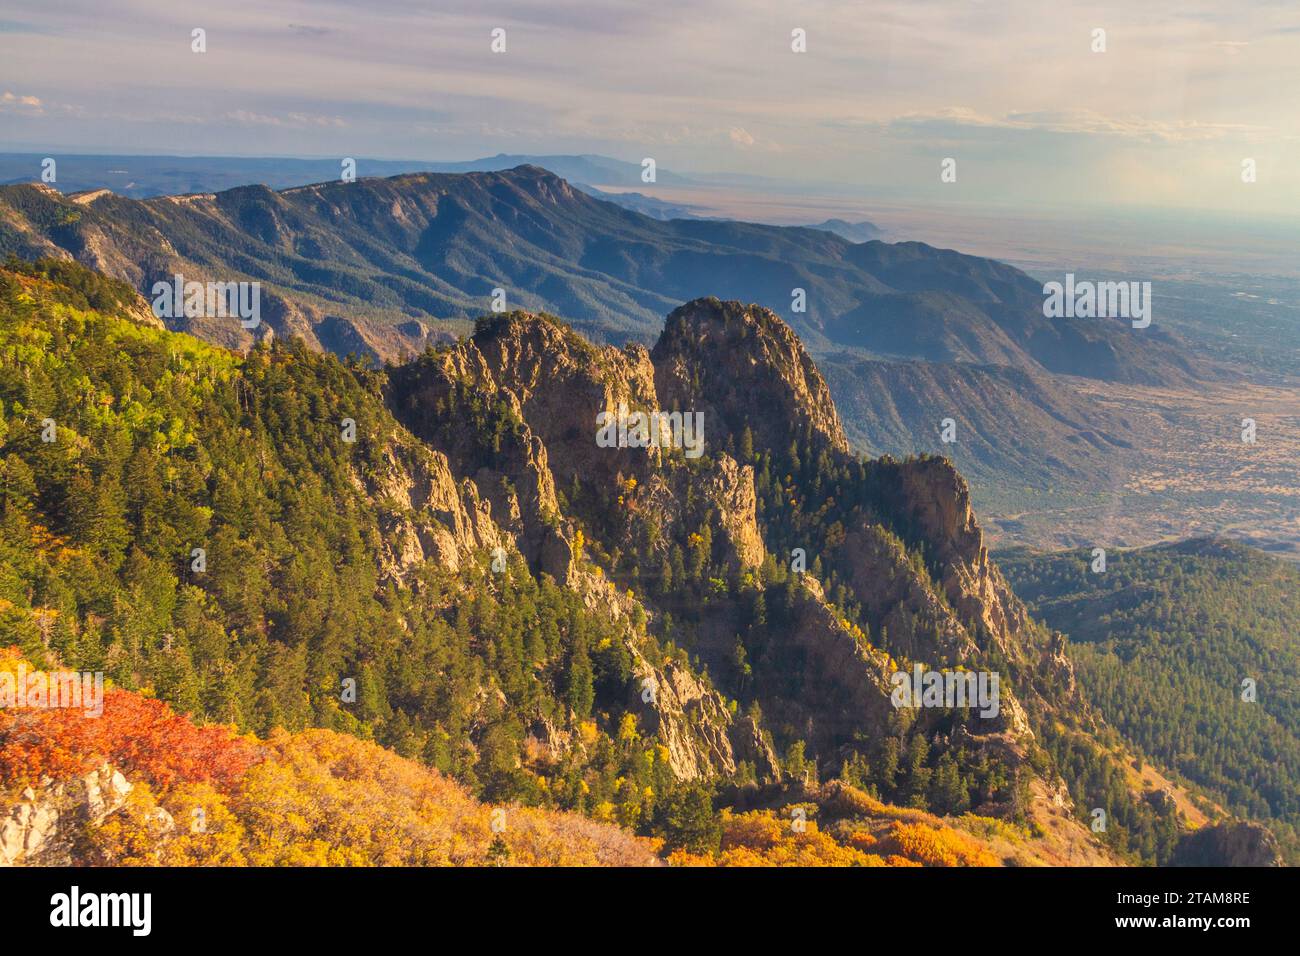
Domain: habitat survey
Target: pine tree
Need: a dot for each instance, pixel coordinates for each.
(579, 692)
(746, 450)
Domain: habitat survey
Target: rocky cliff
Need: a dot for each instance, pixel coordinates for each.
(41, 827)
(1237, 843)
(896, 542)
(557, 603)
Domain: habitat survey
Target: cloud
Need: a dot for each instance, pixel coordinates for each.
(16, 103)
(307, 30)
(288, 120)
(1231, 47)
(1075, 122)
(741, 137)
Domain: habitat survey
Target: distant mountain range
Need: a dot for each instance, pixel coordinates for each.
(143, 177)
(852, 231)
(431, 247)
(908, 334)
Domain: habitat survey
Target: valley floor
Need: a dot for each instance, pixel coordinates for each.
(1188, 474)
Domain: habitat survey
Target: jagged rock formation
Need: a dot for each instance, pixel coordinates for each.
(38, 829)
(547, 386)
(730, 488)
(742, 365)
(692, 722)
(428, 515)
(911, 552)
(1237, 843)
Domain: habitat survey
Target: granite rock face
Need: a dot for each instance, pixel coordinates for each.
(1237, 843)
(37, 829)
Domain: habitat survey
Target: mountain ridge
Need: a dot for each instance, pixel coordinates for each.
(443, 241)
(541, 618)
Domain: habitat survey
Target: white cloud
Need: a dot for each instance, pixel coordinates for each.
(1231, 47)
(290, 120)
(740, 137)
(15, 103)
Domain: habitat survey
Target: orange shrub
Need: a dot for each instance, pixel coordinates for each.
(936, 846)
(760, 838)
(140, 736)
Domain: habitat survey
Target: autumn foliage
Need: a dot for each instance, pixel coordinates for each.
(861, 831)
(935, 846)
(202, 796)
(138, 735)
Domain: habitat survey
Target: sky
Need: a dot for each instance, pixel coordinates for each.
(1183, 93)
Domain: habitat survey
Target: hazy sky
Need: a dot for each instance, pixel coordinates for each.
(1184, 92)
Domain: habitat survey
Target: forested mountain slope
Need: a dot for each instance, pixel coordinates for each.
(1162, 642)
(440, 557)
